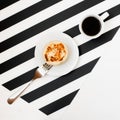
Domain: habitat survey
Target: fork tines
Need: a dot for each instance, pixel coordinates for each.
(47, 66)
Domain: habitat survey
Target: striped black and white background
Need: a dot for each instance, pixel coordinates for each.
(24, 22)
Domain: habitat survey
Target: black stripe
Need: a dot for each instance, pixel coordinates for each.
(17, 60)
(47, 24)
(6, 3)
(58, 104)
(94, 43)
(16, 82)
(59, 82)
(113, 12)
(73, 31)
(26, 13)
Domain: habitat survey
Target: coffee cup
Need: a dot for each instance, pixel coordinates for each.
(92, 25)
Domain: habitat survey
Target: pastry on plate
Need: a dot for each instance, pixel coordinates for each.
(55, 53)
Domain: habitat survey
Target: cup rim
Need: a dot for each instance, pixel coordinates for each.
(97, 17)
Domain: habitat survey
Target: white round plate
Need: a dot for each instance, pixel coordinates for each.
(73, 53)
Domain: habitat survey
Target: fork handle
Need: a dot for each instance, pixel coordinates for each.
(18, 93)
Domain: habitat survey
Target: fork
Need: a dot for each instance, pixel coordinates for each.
(40, 72)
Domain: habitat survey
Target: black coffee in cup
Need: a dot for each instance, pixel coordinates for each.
(91, 26)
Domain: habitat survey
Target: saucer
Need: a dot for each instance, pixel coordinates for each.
(73, 53)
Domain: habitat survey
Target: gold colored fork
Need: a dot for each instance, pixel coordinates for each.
(40, 72)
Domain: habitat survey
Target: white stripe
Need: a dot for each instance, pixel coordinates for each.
(55, 95)
(51, 97)
(17, 71)
(17, 49)
(89, 56)
(36, 18)
(16, 7)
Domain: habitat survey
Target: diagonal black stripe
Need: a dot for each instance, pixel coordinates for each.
(26, 13)
(59, 82)
(113, 12)
(59, 104)
(94, 43)
(6, 3)
(17, 60)
(16, 82)
(74, 31)
(47, 24)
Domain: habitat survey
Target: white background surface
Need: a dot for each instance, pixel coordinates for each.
(17, 111)
(99, 97)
